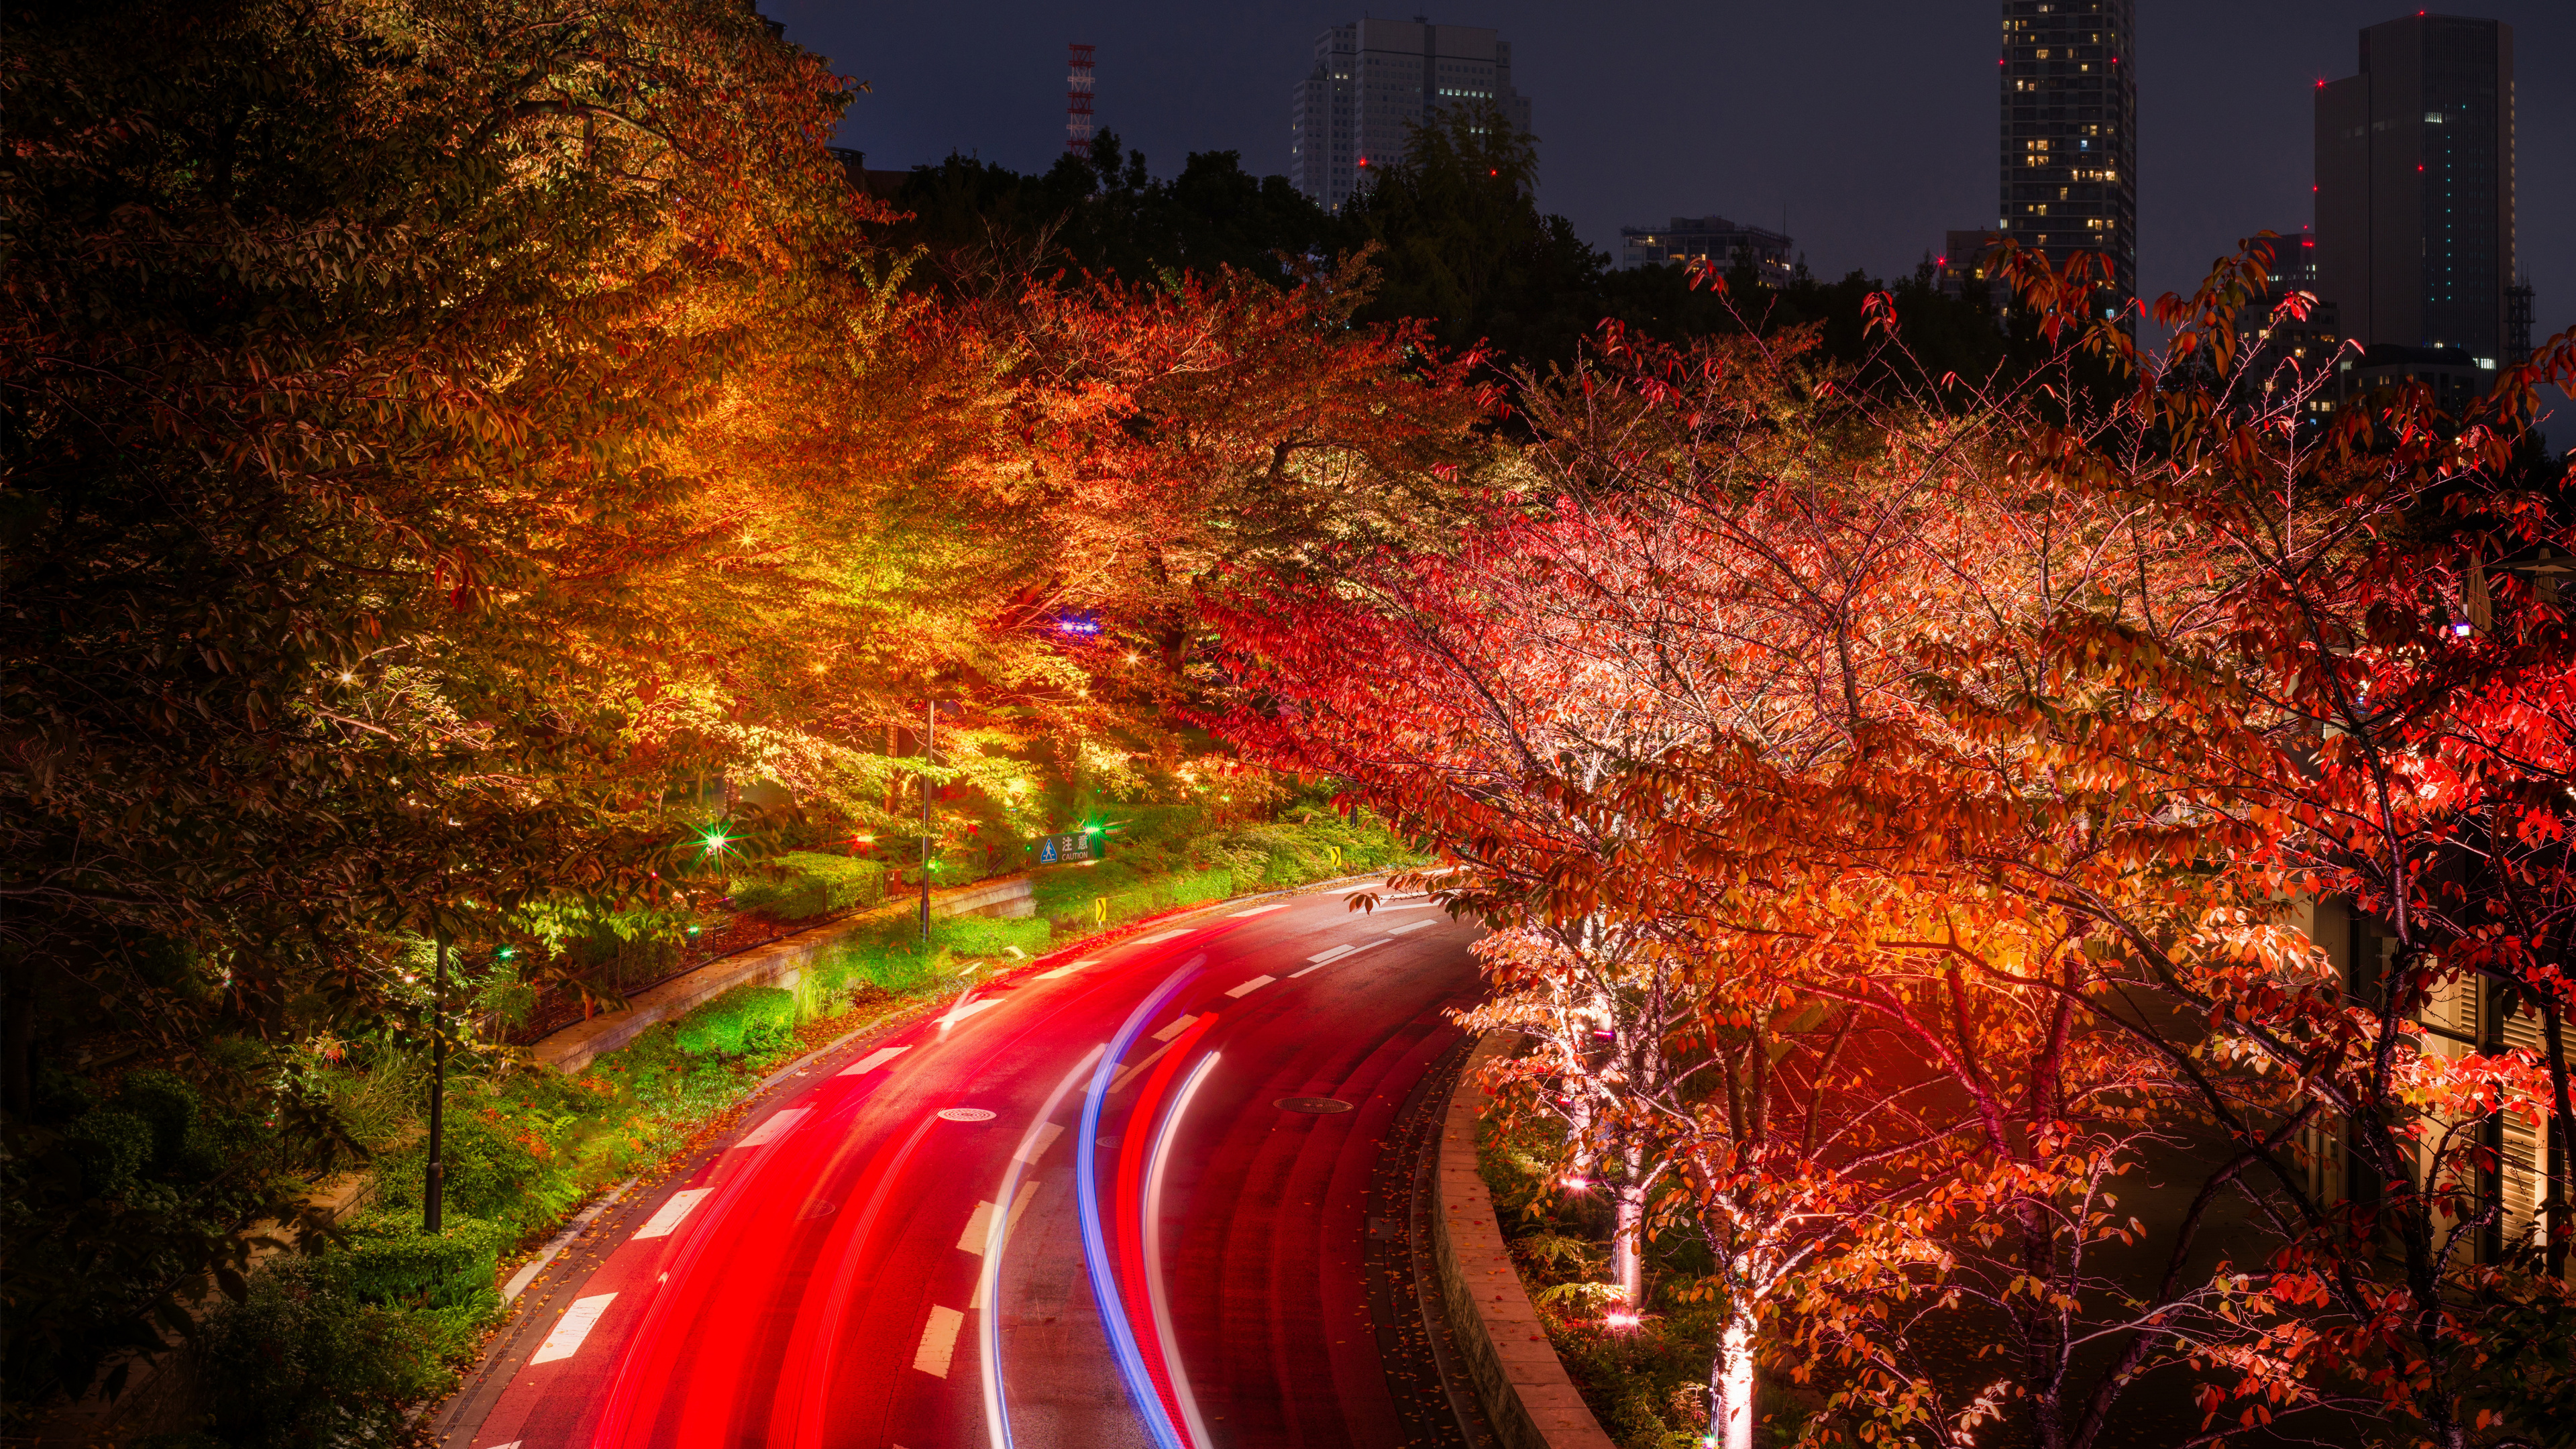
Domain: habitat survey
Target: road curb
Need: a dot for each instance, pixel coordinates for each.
(1527, 1396)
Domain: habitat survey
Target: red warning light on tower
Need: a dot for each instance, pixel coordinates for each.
(1077, 98)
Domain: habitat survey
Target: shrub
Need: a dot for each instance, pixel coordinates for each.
(497, 1167)
(299, 1365)
(813, 884)
(112, 1147)
(746, 1021)
(403, 1268)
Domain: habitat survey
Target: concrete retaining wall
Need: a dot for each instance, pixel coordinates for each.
(780, 963)
(1527, 1397)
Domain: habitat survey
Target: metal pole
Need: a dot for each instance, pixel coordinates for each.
(436, 1186)
(929, 748)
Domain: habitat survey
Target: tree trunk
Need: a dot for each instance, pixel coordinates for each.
(1730, 1384)
(1627, 1248)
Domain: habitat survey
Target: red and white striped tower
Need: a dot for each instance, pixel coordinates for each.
(1077, 100)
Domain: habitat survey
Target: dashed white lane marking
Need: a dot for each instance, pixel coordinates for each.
(1035, 1147)
(1323, 959)
(1366, 885)
(1260, 910)
(574, 1326)
(873, 1060)
(1408, 906)
(980, 1226)
(1120, 1081)
(1158, 936)
(1411, 926)
(668, 1217)
(513, 1444)
(1251, 986)
(1179, 1024)
(979, 1223)
(778, 1125)
(938, 1341)
(1067, 969)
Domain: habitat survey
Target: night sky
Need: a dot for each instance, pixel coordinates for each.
(1870, 123)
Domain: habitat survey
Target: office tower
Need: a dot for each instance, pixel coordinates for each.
(2070, 133)
(2415, 205)
(1708, 238)
(1373, 78)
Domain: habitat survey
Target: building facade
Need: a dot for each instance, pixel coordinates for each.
(2415, 203)
(1371, 80)
(1711, 239)
(2070, 132)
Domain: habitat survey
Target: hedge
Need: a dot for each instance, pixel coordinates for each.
(813, 885)
(415, 1269)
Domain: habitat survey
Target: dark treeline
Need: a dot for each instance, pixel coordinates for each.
(1460, 243)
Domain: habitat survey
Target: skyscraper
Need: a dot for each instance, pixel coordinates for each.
(2070, 132)
(1371, 79)
(2415, 194)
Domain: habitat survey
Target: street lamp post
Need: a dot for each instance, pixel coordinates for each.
(929, 750)
(435, 1187)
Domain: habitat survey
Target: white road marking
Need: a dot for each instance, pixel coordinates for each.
(1338, 953)
(1035, 1146)
(1251, 986)
(513, 1444)
(1411, 926)
(1123, 1078)
(1260, 910)
(661, 1223)
(938, 1341)
(979, 1223)
(1366, 885)
(965, 1009)
(1158, 936)
(1408, 906)
(575, 1326)
(778, 1125)
(1067, 970)
(873, 1060)
(1179, 1024)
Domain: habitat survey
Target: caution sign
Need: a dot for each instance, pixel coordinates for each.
(1060, 849)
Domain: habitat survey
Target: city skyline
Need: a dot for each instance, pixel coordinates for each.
(1865, 131)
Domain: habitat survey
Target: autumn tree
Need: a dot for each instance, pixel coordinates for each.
(344, 349)
(2360, 677)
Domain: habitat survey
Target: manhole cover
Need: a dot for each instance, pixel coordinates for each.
(1316, 1105)
(965, 1114)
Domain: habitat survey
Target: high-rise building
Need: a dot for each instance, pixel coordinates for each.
(2070, 132)
(2415, 203)
(1373, 78)
(1711, 239)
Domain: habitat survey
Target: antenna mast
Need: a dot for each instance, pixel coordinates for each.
(1077, 99)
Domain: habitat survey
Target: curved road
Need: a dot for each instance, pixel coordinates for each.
(901, 1253)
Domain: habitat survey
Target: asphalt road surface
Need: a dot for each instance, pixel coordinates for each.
(902, 1253)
